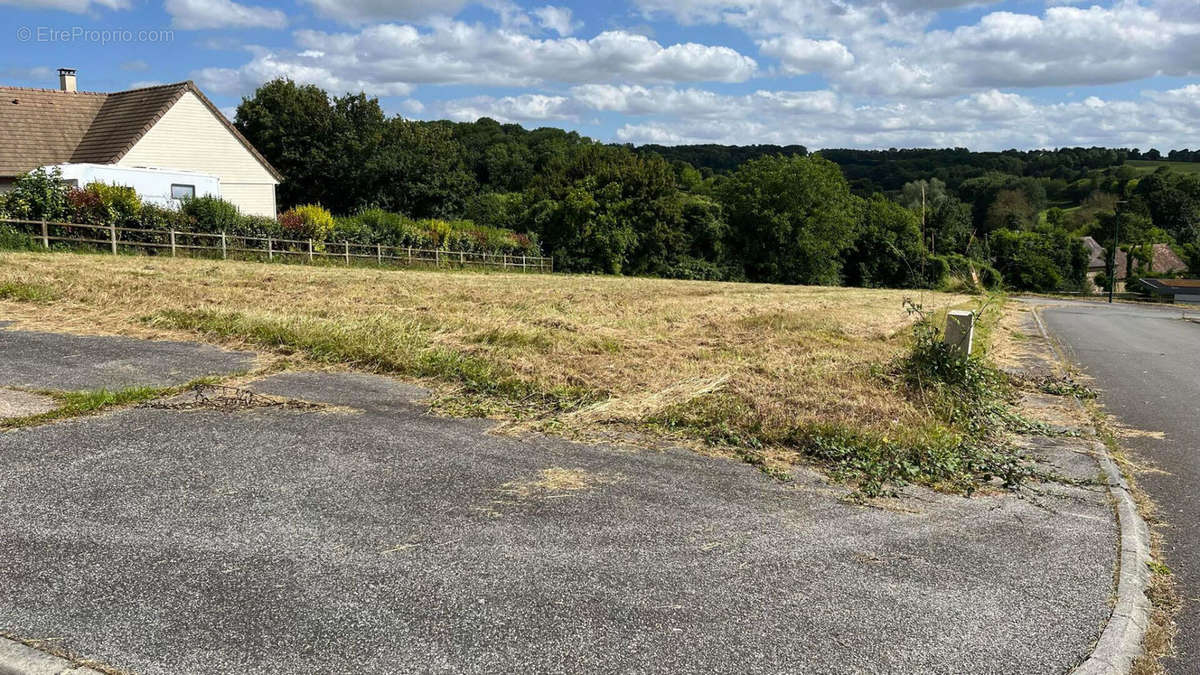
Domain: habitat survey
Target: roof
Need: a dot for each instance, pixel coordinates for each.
(1098, 259)
(1166, 261)
(50, 126)
(1173, 286)
(1163, 260)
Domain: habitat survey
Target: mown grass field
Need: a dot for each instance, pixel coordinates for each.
(744, 369)
(1150, 166)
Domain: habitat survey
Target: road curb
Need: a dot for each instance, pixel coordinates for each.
(17, 658)
(1121, 641)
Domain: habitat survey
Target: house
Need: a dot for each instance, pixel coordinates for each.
(1163, 261)
(1178, 290)
(167, 141)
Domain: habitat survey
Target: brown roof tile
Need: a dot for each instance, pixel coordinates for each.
(49, 126)
(42, 126)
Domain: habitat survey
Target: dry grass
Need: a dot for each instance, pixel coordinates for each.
(627, 348)
(556, 482)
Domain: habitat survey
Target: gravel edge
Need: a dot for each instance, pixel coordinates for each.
(1121, 641)
(21, 659)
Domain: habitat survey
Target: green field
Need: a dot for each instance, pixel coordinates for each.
(1149, 166)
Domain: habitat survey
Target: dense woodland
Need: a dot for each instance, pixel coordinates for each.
(938, 218)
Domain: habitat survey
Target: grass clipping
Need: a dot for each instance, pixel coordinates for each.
(774, 375)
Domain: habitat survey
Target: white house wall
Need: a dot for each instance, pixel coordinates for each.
(190, 137)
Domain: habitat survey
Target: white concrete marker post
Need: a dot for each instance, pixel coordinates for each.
(960, 332)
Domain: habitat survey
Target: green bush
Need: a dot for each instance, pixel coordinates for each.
(103, 204)
(212, 214)
(38, 195)
(155, 217)
(376, 226)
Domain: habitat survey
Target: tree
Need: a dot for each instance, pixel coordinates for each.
(1009, 210)
(791, 218)
(292, 126)
(887, 248)
(1039, 261)
(419, 170)
(605, 209)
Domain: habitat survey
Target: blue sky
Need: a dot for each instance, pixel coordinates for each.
(842, 73)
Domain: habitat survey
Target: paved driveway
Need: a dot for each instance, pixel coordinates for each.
(371, 537)
(1146, 359)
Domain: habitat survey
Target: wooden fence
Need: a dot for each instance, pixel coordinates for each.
(225, 246)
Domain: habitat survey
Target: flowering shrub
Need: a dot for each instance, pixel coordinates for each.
(103, 204)
(309, 221)
(376, 226)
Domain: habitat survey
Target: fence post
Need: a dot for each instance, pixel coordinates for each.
(410, 255)
(310, 250)
(523, 267)
(379, 254)
(112, 237)
(437, 257)
(172, 243)
(45, 235)
(224, 253)
(270, 250)
(347, 245)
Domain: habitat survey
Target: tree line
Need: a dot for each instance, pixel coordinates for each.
(902, 218)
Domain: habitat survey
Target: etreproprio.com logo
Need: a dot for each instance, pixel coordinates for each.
(102, 36)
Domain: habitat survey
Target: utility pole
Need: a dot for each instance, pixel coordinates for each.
(1112, 277)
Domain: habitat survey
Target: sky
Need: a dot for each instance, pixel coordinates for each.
(981, 74)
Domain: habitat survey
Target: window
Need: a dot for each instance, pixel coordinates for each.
(179, 191)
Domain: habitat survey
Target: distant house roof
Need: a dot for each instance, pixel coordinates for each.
(1098, 260)
(49, 126)
(1165, 261)
(1172, 286)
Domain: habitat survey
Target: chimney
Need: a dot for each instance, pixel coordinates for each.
(66, 79)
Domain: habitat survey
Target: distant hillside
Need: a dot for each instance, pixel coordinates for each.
(888, 170)
(1150, 166)
(719, 158)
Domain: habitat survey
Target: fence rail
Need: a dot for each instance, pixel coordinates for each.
(181, 242)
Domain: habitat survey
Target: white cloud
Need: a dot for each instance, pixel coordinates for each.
(77, 6)
(523, 108)
(798, 55)
(989, 120)
(894, 53)
(265, 66)
(558, 19)
(367, 11)
(391, 58)
(200, 14)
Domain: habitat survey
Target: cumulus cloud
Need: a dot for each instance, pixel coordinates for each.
(523, 108)
(558, 19)
(988, 120)
(199, 14)
(366, 11)
(798, 55)
(391, 58)
(884, 47)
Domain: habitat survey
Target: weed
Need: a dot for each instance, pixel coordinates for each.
(79, 403)
(377, 343)
(26, 291)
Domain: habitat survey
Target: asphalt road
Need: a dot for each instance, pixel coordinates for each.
(1146, 361)
(372, 537)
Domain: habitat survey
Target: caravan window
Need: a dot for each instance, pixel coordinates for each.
(179, 191)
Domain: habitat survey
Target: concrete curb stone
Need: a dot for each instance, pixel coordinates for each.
(1120, 643)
